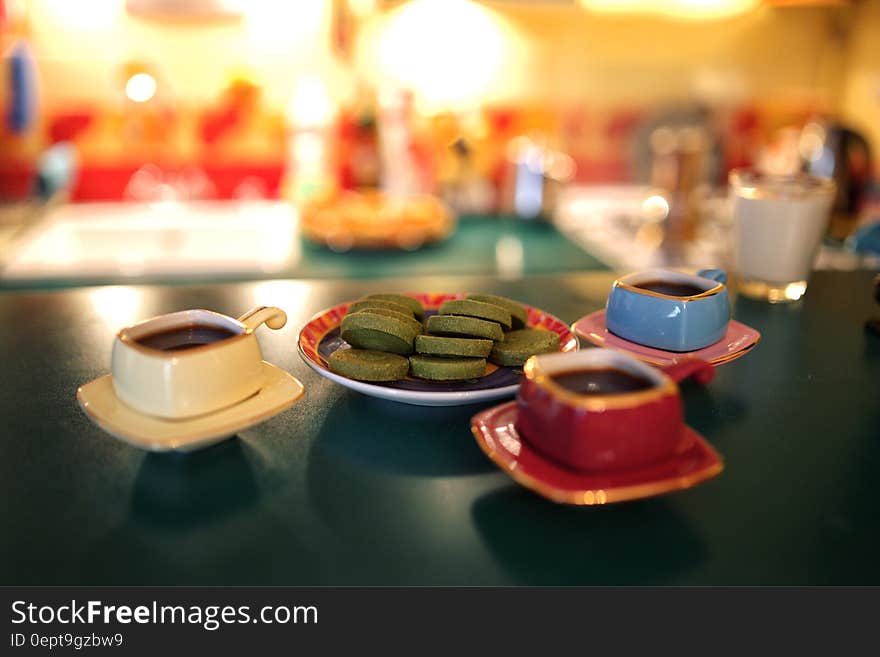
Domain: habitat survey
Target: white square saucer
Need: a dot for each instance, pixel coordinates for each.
(99, 402)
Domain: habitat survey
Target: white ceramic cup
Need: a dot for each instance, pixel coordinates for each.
(195, 381)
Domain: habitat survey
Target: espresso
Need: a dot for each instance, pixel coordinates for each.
(185, 337)
(600, 381)
(671, 288)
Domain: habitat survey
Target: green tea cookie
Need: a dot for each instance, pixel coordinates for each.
(366, 365)
(520, 345)
(378, 332)
(436, 345)
(517, 311)
(401, 300)
(478, 309)
(363, 304)
(376, 341)
(446, 369)
(467, 326)
(407, 318)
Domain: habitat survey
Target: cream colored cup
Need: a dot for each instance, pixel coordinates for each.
(196, 381)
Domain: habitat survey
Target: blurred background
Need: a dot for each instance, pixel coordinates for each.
(154, 140)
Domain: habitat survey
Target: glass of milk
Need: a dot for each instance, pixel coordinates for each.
(778, 225)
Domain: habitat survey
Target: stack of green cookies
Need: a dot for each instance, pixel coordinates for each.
(453, 345)
(381, 329)
(493, 327)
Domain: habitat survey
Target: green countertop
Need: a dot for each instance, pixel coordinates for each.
(346, 489)
(480, 246)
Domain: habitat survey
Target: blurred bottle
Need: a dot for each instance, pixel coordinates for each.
(465, 189)
(404, 172)
(310, 172)
(22, 89)
(832, 150)
(534, 178)
(359, 163)
(680, 167)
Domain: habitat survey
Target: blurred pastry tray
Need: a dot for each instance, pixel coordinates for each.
(375, 220)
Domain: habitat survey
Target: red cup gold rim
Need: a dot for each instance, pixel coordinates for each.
(533, 373)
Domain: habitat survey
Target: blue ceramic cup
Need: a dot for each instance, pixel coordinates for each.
(669, 310)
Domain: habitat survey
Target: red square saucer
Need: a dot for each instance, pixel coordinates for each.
(736, 343)
(496, 434)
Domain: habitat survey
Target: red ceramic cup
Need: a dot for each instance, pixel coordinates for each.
(605, 431)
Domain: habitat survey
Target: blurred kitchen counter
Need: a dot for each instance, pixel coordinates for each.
(14, 218)
(627, 228)
(601, 227)
(78, 244)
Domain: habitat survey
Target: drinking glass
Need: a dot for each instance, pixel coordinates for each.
(778, 224)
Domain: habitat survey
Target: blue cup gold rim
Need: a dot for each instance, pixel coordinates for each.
(715, 275)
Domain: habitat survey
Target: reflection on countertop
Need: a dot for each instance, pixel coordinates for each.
(99, 240)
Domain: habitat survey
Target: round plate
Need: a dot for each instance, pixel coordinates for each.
(320, 338)
(736, 343)
(99, 401)
(496, 434)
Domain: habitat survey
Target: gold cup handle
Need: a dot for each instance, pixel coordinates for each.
(274, 318)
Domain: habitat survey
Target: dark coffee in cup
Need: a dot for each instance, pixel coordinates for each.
(671, 288)
(188, 336)
(605, 381)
